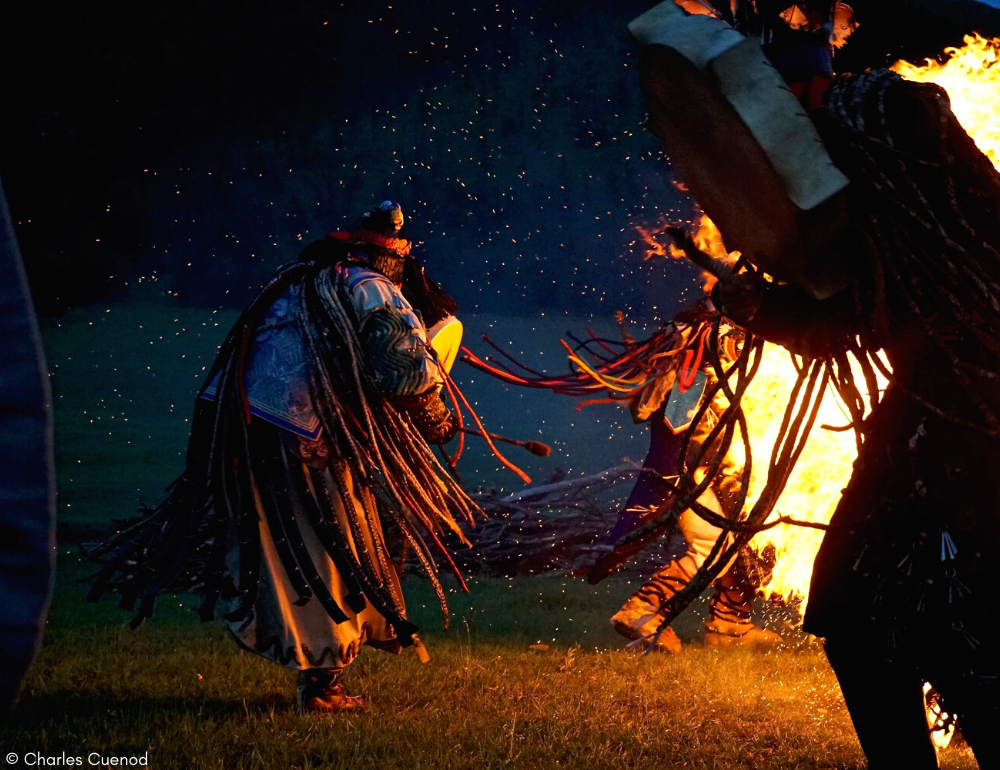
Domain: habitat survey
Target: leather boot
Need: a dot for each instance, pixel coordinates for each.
(640, 616)
(722, 633)
(728, 623)
(320, 692)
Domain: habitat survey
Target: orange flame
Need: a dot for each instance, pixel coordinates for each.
(707, 237)
(653, 247)
(815, 484)
(971, 76)
(822, 471)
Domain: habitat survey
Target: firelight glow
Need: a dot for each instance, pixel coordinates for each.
(971, 76)
(822, 471)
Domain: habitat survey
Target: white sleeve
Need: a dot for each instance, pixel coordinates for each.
(393, 335)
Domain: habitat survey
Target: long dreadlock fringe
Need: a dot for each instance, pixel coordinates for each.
(384, 467)
(935, 261)
(633, 365)
(932, 258)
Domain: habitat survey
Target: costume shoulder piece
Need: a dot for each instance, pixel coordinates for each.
(391, 333)
(355, 275)
(277, 379)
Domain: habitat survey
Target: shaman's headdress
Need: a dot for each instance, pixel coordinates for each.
(380, 230)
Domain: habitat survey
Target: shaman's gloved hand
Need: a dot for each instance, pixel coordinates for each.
(430, 416)
(739, 298)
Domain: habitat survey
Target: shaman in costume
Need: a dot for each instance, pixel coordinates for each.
(669, 403)
(313, 426)
(667, 381)
(878, 220)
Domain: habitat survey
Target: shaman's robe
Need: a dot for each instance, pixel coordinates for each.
(670, 403)
(301, 446)
(281, 627)
(910, 559)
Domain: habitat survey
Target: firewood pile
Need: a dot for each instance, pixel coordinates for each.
(558, 526)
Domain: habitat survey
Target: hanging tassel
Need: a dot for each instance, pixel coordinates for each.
(969, 638)
(956, 588)
(948, 548)
(861, 556)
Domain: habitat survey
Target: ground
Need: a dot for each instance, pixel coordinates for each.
(529, 675)
(182, 692)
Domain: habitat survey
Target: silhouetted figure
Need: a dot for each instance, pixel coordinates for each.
(878, 219)
(27, 474)
(313, 426)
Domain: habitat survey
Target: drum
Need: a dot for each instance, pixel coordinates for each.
(743, 145)
(446, 338)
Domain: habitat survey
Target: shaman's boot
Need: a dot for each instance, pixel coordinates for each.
(640, 616)
(321, 693)
(728, 623)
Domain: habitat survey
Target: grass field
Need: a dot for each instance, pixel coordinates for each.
(529, 675)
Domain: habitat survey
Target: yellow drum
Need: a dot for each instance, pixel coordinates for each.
(446, 338)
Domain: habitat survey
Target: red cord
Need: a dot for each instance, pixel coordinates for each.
(486, 436)
(688, 375)
(592, 401)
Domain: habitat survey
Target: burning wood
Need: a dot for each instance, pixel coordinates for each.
(971, 77)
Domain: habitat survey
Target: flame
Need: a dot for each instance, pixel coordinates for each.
(822, 471)
(815, 484)
(653, 247)
(972, 79)
(707, 237)
(971, 76)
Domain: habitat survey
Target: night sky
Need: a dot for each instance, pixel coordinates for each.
(212, 143)
(162, 160)
(203, 144)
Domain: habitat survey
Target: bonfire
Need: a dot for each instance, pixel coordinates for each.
(970, 76)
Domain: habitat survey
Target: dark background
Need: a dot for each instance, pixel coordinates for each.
(203, 143)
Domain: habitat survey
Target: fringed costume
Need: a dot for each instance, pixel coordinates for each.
(312, 428)
(902, 582)
(877, 220)
(665, 381)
